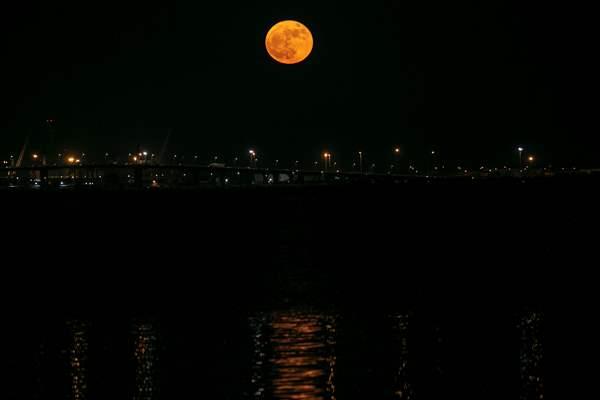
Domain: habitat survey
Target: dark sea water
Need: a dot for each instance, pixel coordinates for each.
(282, 354)
(327, 293)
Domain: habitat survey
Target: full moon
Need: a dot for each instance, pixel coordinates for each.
(289, 42)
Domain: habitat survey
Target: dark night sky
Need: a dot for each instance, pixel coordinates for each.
(470, 79)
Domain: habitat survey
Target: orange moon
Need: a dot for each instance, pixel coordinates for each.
(289, 42)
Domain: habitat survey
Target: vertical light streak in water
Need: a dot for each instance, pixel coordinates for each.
(331, 340)
(257, 328)
(146, 357)
(294, 356)
(78, 354)
(532, 383)
(438, 342)
(402, 386)
(37, 392)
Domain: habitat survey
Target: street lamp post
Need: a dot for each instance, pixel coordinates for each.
(530, 160)
(397, 163)
(360, 161)
(71, 160)
(520, 150)
(327, 160)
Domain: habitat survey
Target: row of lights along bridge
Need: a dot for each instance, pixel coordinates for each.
(327, 163)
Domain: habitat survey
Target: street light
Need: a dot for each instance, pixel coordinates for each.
(397, 154)
(327, 158)
(520, 150)
(433, 166)
(71, 160)
(360, 161)
(252, 157)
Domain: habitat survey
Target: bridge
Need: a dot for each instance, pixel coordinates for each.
(180, 176)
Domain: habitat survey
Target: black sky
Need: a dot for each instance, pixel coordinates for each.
(470, 79)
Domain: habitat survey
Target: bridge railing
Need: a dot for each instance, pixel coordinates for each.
(155, 176)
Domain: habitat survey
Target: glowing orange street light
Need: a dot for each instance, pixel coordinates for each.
(327, 157)
(397, 154)
(71, 160)
(531, 158)
(35, 156)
